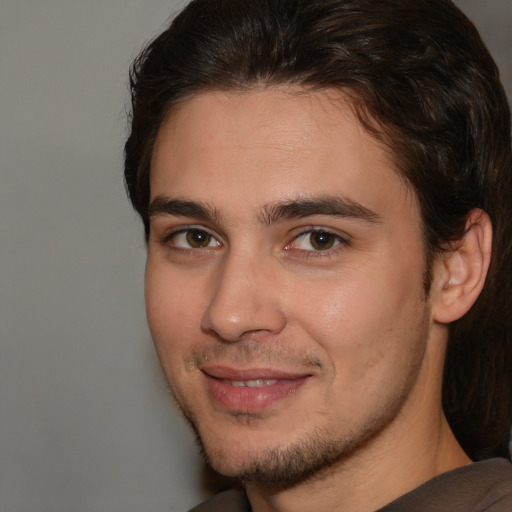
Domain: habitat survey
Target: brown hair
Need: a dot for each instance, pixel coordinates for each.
(422, 81)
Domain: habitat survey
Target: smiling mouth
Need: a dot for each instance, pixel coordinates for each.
(249, 391)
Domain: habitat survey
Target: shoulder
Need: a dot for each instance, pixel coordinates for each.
(499, 495)
(479, 487)
(488, 484)
(228, 501)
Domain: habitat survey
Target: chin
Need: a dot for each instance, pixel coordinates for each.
(281, 457)
(278, 465)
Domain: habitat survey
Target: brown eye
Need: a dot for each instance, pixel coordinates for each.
(316, 240)
(198, 239)
(322, 240)
(191, 238)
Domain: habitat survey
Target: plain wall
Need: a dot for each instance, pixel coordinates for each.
(86, 423)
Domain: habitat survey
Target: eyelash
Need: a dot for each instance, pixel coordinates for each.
(168, 239)
(338, 241)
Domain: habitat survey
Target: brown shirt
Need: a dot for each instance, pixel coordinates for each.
(480, 487)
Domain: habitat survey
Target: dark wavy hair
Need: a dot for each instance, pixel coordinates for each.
(422, 82)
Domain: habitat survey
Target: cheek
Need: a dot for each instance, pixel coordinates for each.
(172, 311)
(365, 322)
(174, 320)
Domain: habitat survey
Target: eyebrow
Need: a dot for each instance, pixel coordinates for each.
(164, 205)
(333, 206)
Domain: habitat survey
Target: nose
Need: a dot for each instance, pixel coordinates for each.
(245, 299)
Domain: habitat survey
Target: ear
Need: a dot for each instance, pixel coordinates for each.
(459, 274)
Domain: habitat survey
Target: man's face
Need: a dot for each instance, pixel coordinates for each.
(284, 280)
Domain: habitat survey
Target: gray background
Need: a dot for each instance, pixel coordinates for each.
(85, 420)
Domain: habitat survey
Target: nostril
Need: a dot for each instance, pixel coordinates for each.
(247, 320)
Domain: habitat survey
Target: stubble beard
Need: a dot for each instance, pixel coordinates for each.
(312, 456)
(316, 453)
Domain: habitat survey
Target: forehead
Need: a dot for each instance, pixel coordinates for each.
(271, 145)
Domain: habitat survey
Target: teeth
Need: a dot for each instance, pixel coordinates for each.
(257, 383)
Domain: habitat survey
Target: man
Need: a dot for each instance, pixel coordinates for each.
(322, 185)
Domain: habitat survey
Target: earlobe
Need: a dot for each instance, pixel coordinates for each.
(460, 273)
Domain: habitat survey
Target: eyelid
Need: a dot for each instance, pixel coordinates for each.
(177, 230)
(342, 239)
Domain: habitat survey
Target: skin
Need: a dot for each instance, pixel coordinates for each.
(335, 328)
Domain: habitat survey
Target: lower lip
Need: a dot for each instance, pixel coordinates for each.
(252, 399)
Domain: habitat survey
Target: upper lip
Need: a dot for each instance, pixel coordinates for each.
(238, 374)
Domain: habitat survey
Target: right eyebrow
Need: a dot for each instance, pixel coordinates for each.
(165, 205)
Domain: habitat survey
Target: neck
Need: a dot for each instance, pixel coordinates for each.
(366, 481)
(417, 446)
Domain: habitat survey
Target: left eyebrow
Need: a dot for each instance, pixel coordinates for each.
(326, 205)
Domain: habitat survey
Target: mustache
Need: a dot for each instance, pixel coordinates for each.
(253, 352)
